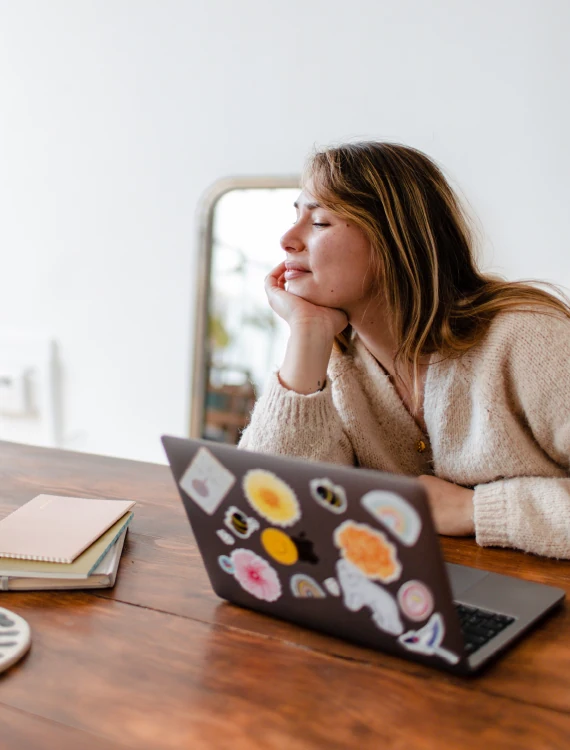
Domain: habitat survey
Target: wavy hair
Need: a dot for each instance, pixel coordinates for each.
(423, 256)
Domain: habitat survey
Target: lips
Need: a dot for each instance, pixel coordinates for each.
(294, 270)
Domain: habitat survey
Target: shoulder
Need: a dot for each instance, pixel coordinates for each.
(527, 350)
(526, 333)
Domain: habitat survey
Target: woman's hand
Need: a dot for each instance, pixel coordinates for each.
(451, 506)
(313, 328)
(299, 313)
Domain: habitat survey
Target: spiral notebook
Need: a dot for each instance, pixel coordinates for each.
(58, 529)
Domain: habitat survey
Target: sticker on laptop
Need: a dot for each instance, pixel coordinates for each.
(255, 575)
(427, 640)
(226, 564)
(279, 546)
(415, 600)
(330, 496)
(395, 513)
(225, 536)
(207, 481)
(271, 497)
(237, 521)
(331, 585)
(305, 587)
(368, 550)
(360, 592)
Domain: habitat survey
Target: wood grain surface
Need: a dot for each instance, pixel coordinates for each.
(160, 662)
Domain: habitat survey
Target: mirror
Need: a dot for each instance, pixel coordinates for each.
(239, 341)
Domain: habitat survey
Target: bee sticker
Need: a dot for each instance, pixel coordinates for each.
(330, 496)
(225, 536)
(427, 640)
(360, 592)
(241, 525)
(206, 481)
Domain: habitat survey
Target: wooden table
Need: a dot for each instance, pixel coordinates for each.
(160, 662)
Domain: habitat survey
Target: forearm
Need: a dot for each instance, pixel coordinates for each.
(527, 513)
(286, 423)
(304, 368)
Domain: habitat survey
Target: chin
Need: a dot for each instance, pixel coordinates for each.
(314, 296)
(314, 299)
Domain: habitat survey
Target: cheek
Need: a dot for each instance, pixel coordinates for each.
(349, 273)
(341, 268)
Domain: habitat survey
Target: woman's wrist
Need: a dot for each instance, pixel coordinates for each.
(304, 368)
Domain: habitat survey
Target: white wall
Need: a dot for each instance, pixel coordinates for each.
(116, 114)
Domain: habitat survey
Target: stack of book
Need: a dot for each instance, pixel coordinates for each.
(55, 542)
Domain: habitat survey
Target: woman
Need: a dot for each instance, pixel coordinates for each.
(403, 357)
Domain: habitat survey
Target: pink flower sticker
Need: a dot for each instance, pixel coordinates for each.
(255, 575)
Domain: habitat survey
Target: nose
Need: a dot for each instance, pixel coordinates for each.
(291, 241)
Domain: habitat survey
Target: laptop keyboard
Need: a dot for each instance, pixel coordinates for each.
(479, 626)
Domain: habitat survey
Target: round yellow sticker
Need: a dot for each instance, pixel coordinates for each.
(281, 548)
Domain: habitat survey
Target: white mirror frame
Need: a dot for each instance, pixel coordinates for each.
(203, 266)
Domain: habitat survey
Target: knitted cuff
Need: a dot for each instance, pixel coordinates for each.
(291, 410)
(490, 515)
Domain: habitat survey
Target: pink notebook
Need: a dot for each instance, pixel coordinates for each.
(57, 529)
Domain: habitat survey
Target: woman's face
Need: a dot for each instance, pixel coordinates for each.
(328, 258)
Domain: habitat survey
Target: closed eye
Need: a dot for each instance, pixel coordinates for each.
(320, 224)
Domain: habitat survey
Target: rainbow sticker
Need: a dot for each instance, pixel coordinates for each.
(305, 587)
(395, 514)
(415, 600)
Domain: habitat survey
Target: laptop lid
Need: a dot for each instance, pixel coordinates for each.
(349, 552)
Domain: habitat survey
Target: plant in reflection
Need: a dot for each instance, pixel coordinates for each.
(217, 332)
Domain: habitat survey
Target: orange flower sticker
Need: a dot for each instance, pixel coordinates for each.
(368, 550)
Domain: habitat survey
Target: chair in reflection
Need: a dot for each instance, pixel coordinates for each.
(228, 408)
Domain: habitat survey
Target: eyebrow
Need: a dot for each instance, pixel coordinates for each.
(310, 206)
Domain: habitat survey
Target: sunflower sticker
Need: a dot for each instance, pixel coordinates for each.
(368, 550)
(271, 497)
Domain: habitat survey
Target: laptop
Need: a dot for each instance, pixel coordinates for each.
(347, 551)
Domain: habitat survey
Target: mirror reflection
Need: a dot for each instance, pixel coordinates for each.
(244, 339)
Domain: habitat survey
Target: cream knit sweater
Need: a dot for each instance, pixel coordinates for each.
(498, 420)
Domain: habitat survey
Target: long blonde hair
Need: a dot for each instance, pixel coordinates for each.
(423, 258)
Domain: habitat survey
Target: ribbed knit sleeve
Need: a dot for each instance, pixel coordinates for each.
(528, 513)
(532, 513)
(287, 423)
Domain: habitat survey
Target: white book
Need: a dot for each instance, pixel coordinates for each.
(102, 577)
